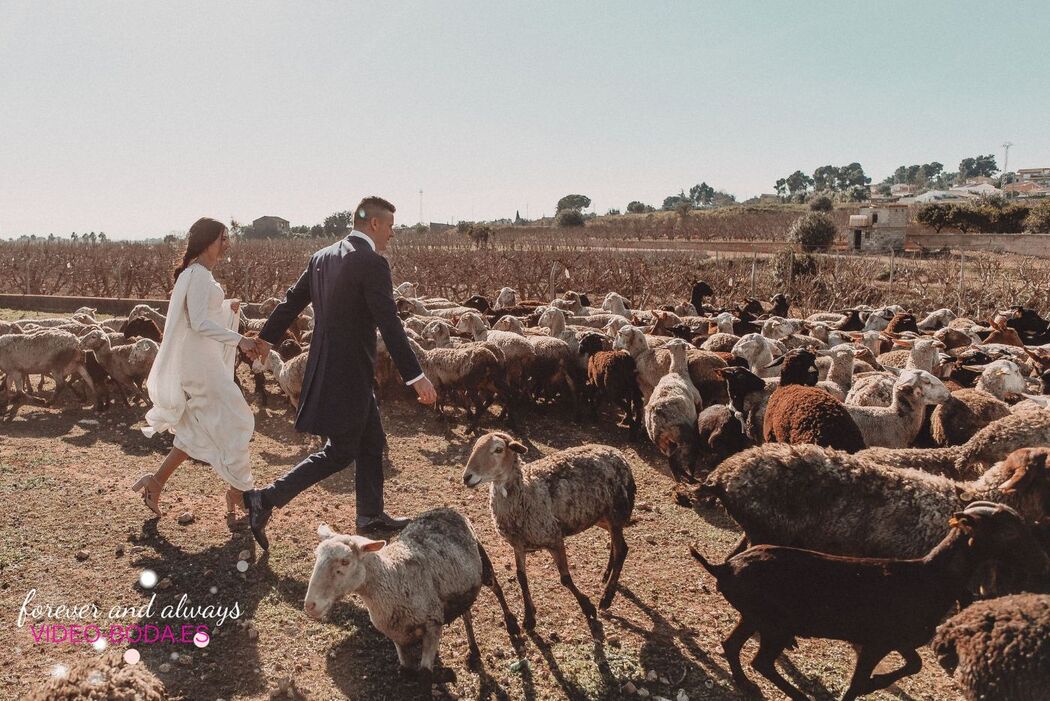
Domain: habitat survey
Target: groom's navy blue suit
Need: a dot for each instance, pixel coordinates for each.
(352, 294)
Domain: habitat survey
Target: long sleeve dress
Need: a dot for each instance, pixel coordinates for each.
(191, 382)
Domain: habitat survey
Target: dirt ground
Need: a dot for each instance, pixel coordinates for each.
(72, 530)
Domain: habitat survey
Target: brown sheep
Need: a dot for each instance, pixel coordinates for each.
(998, 649)
(964, 414)
(799, 413)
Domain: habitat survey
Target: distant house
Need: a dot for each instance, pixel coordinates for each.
(939, 196)
(901, 189)
(437, 227)
(1040, 176)
(878, 228)
(1027, 188)
(980, 189)
(271, 226)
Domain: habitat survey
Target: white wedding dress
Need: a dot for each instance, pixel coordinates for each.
(191, 382)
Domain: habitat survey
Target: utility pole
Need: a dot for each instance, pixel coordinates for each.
(1006, 156)
(421, 206)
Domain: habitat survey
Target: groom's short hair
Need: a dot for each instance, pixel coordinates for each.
(369, 207)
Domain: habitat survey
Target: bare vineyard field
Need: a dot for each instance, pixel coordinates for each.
(255, 270)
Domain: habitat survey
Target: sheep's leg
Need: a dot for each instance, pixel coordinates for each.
(431, 642)
(769, 650)
(731, 648)
(474, 656)
(562, 561)
(617, 556)
(86, 376)
(861, 684)
(523, 582)
(60, 386)
(402, 657)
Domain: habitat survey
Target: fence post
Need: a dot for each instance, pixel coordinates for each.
(962, 274)
(754, 265)
(791, 269)
(893, 261)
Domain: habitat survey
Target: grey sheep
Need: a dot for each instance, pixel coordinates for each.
(412, 587)
(830, 501)
(536, 506)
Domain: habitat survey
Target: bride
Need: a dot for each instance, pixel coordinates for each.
(191, 382)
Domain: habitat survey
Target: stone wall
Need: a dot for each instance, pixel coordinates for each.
(67, 305)
(1024, 244)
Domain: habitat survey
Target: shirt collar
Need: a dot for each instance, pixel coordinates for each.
(362, 235)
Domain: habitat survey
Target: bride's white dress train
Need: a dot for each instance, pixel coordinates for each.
(191, 383)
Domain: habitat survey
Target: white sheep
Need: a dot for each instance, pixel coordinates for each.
(289, 375)
(128, 364)
(412, 587)
(57, 353)
(758, 351)
(897, 425)
(670, 413)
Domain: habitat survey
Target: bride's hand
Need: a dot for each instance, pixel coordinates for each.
(235, 305)
(248, 346)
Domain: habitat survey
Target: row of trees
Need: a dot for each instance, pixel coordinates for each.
(933, 175)
(846, 182)
(987, 215)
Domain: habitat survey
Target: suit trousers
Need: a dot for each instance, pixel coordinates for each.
(339, 451)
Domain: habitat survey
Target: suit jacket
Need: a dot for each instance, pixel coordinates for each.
(352, 293)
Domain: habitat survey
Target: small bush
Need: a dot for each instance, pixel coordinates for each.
(813, 232)
(821, 203)
(1038, 219)
(788, 266)
(570, 217)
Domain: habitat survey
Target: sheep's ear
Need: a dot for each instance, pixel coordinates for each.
(324, 532)
(963, 521)
(1016, 479)
(371, 546)
(518, 447)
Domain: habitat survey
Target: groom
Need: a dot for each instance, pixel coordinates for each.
(352, 293)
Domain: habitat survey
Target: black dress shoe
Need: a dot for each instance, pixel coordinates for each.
(258, 516)
(381, 522)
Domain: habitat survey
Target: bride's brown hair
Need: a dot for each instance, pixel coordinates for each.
(202, 234)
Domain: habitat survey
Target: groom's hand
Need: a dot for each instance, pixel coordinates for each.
(425, 390)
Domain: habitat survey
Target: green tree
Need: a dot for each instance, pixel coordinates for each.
(850, 176)
(797, 183)
(723, 199)
(612, 212)
(821, 203)
(1038, 219)
(574, 202)
(570, 217)
(672, 202)
(637, 207)
(338, 223)
(702, 194)
(935, 215)
(978, 166)
(825, 178)
(966, 218)
(813, 231)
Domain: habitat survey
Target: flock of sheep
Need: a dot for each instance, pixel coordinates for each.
(886, 470)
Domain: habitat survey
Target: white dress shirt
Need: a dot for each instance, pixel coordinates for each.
(368, 239)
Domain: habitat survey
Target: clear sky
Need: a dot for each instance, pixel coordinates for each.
(135, 118)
